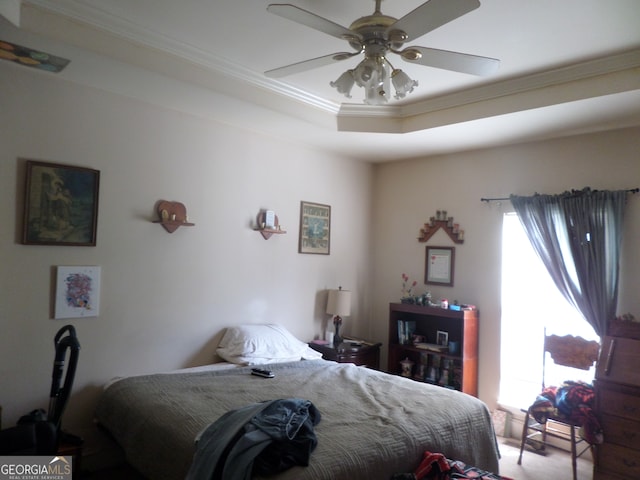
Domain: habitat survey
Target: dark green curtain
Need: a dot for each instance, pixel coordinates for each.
(578, 236)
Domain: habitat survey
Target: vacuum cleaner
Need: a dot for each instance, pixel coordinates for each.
(40, 433)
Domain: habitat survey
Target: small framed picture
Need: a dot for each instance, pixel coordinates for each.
(61, 205)
(439, 264)
(315, 228)
(77, 292)
(442, 338)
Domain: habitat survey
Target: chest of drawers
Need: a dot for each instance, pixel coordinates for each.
(617, 388)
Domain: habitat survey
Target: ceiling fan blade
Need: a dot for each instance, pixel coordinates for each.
(298, 15)
(458, 62)
(431, 15)
(309, 64)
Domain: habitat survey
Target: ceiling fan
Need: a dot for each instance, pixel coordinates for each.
(376, 36)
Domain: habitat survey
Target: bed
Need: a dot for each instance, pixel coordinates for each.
(373, 424)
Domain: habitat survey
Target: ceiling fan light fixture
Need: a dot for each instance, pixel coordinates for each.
(344, 83)
(368, 71)
(373, 75)
(377, 35)
(376, 95)
(402, 83)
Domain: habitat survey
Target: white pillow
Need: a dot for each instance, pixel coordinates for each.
(258, 344)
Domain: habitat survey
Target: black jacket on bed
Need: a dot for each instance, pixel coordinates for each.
(259, 439)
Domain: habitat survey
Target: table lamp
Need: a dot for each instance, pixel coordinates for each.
(338, 304)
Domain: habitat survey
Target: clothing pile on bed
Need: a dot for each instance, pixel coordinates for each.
(260, 439)
(572, 401)
(435, 466)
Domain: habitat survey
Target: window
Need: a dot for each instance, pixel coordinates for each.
(531, 302)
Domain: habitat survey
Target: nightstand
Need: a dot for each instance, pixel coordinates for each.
(367, 354)
(71, 445)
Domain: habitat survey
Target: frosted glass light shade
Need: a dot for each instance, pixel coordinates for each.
(373, 75)
(344, 83)
(402, 83)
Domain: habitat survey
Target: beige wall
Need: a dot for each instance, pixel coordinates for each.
(408, 193)
(165, 298)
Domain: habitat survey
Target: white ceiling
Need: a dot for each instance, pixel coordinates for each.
(567, 67)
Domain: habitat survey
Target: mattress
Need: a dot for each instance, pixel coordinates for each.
(373, 424)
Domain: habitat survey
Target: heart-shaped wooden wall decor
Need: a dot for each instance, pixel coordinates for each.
(172, 215)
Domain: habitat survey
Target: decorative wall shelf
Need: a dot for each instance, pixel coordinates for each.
(268, 231)
(441, 221)
(172, 215)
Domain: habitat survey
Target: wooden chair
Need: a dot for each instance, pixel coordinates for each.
(568, 351)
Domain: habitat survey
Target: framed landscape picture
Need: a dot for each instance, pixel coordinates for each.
(61, 205)
(315, 228)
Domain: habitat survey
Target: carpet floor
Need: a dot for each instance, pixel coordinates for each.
(555, 465)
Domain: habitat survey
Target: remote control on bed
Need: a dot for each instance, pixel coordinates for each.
(262, 373)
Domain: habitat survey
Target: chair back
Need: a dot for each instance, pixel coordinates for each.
(569, 351)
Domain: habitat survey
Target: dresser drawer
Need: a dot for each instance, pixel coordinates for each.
(615, 402)
(619, 360)
(367, 359)
(621, 460)
(621, 431)
(598, 475)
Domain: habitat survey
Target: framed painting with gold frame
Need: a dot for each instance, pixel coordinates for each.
(315, 228)
(60, 205)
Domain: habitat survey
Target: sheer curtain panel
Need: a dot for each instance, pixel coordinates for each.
(578, 236)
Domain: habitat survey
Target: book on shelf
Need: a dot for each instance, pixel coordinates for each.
(406, 330)
(435, 361)
(431, 346)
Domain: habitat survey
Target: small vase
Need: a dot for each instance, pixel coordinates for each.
(337, 339)
(407, 367)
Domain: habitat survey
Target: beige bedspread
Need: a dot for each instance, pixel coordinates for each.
(373, 424)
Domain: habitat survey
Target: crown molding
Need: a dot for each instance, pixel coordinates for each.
(10, 9)
(126, 30)
(533, 81)
(613, 73)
